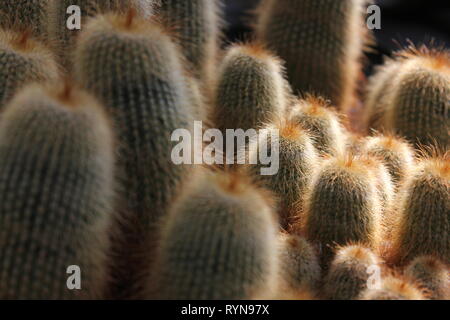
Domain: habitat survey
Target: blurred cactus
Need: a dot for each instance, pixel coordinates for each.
(56, 173)
(394, 288)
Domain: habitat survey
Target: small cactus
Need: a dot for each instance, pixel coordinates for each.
(56, 173)
(219, 242)
(423, 223)
(328, 134)
(22, 61)
(349, 273)
(321, 41)
(394, 288)
(432, 274)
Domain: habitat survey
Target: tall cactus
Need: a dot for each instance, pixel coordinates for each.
(394, 288)
(56, 182)
(22, 61)
(321, 41)
(134, 68)
(219, 242)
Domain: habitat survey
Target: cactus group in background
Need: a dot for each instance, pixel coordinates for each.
(22, 61)
(349, 273)
(432, 274)
(423, 223)
(418, 104)
(321, 41)
(219, 242)
(394, 288)
(329, 136)
(56, 173)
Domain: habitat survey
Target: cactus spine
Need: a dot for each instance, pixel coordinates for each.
(423, 224)
(56, 173)
(22, 61)
(301, 31)
(328, 134)
(432, 274)
(348, 275)
(394, 288)
(219, 242)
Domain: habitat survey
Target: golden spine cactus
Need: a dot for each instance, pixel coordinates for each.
(342, 206)
(56, 173)
(300, 31)
(328, 134)
(24, 15)
(423, 223)
(64, 39)
(299, 265)
(22, 61)
(348, 275)
(296, 163)
(394, 288)
(432, 274)
(134, 68)
(219, 242)
(251, 90)
(198, 27)
(418, 106)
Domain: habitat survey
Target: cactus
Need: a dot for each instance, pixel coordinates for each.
(299, 265)
(323, 124)
(22, 61)
(396, 154)
(342, 206)
(134, 68)
(394, 288)
(56, 173)
(24, 15)
(321, 41)
(423, 223)
(197, 24)
(433, 275)
(296, 164)
(219, 242)
(251, 89)
(418, 107)
(348, 275)
(64, 39)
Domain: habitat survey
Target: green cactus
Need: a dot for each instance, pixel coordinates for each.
(432, 274)
(329, 135)
(321, 41)
(299, 265)
(394, 288)
(423, 223)
(296, 163)
(133, 67)
(56, 173)
(24, 15)
(197, 24)
(349, 273)
(219, 242)
(342, 206)
(22, 61)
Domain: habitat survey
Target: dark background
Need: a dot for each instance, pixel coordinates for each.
(419, 21)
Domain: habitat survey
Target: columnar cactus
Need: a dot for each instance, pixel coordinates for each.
(197, 24)
(251, 90)
(423, 223)
(321, 41)
(394, 288)
(22, 61)
(56, 181)
(24, 15)
(296, 163)
(323, 124)
(134, 68)
(432, 274)
(418, 107)
(299, 265)
(219, 242)
(349, 273)
(342, 206)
